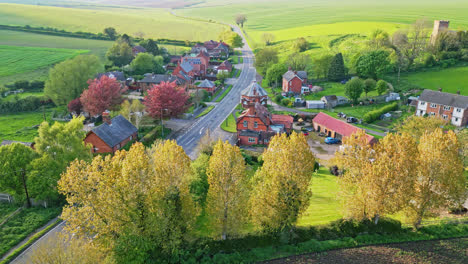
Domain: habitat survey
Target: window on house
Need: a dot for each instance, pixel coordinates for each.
(118, 146)
(447, 107)
(423, 103)
(265, 141)
(456, 119)
(131, 137)
(255, 124)
(432, 114)
(245, 123)
(458, 110)
(290, 83)
(444, 117)
(251, 140)
(433, 105)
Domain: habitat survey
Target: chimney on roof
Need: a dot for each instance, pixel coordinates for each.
(106, 117)
(289, 68)
(458, 92)
(440, 89)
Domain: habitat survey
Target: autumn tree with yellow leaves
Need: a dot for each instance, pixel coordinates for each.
(136, 203)
(440, 180)
(281, 186)
(228, 191)
(417, 125)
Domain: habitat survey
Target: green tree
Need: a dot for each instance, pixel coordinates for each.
(281, 186)
(274, 74)
(298, 61)
(228, 191)
(120, 53)
(235, 41)
(379, 39)
(15, 162)
(222, 76)
(382, 87)
(354, 88)
(369, 86)
(321, 65)
(68, 79)
(265, 58)
(300, 45)
(199, 186)
(150, 46)
(241, 19)
(145, 63)
(337, 71)
(111, 33)
(268, 38)
(373, 64)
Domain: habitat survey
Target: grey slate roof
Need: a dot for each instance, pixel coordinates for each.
(249, 133)
(158, 78)
(302, 74)
(206, 83)
(254, 89)
(113, 134)
(289, 75)
(186, 66)
(330, 98)
(118, 75)
(442, 98)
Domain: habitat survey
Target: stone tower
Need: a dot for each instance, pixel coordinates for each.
(439, 27)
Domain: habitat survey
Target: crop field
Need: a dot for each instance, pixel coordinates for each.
(450, 80)
(24, 59)
(152, 22)
(21, 126)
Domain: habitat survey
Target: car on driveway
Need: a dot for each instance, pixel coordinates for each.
(305, 133)
(351, 119)
(330, 140)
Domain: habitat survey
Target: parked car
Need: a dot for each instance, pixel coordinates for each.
(341, 114)
(310, 129)
(321, 134)
(305, 133)
(351, 119)
(330, 140)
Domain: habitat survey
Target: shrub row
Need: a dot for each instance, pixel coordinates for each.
(29, 103)
(26, 85)
(371, 116)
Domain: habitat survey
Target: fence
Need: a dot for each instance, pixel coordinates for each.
(6, 198)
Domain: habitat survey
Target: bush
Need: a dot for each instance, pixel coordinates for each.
(29, 103)
(278, 98)
(285, 101)
(429, 60)
(371, 116)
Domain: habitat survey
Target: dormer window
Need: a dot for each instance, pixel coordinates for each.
(245, 123)
(447, 107)
(255, 124)
(433, 105)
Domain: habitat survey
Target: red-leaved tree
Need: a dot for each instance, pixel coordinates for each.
(102, 94)
(75, 106)
(168, 98)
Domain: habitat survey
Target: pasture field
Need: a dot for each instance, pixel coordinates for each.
(24, 59)
(152, 22)
(22, 126)
(450, 80)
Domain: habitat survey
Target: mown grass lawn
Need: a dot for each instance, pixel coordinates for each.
(229, 124)
(21, 225)
(20, 126)
(450, 80)
(17, 59)
(206, 111)
(324, 204)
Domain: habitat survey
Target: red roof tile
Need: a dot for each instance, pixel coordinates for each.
(338, 126)
(283, 120)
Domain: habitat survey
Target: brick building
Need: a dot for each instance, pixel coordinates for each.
(254, 93)
(335, 128)
(293, 81)
(112, 135)
(256, 125)
(208, 86)
(451, 107)
(154, 79)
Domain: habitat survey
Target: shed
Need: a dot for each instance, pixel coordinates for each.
(316, 104)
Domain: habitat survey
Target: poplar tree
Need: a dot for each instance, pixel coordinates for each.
(228, 190)
(337, 71)
(281, 191)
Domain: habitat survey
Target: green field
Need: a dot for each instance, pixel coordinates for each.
(21, 126)
(450, 80)
(24, 59)
(152, 22)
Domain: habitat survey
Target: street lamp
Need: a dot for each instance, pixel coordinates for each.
(162, 127)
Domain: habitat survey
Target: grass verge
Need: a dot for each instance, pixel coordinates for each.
(33, 239)
(225, 92)
(206, 111)
(229, 125)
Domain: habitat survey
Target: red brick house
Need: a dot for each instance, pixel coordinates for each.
(451, 107)
(153, 79)
(208, 86)
(293, 81)
(213, 48)
(194, 66)
(256, 125)
(112, 135)
(254, 93)
(335, 128)
(225, 66)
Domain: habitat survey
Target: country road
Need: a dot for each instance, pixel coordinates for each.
(213, 119)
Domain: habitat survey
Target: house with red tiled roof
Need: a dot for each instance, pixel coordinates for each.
(336, 128)
(225, 66)
(293, 81)
(256, 125)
